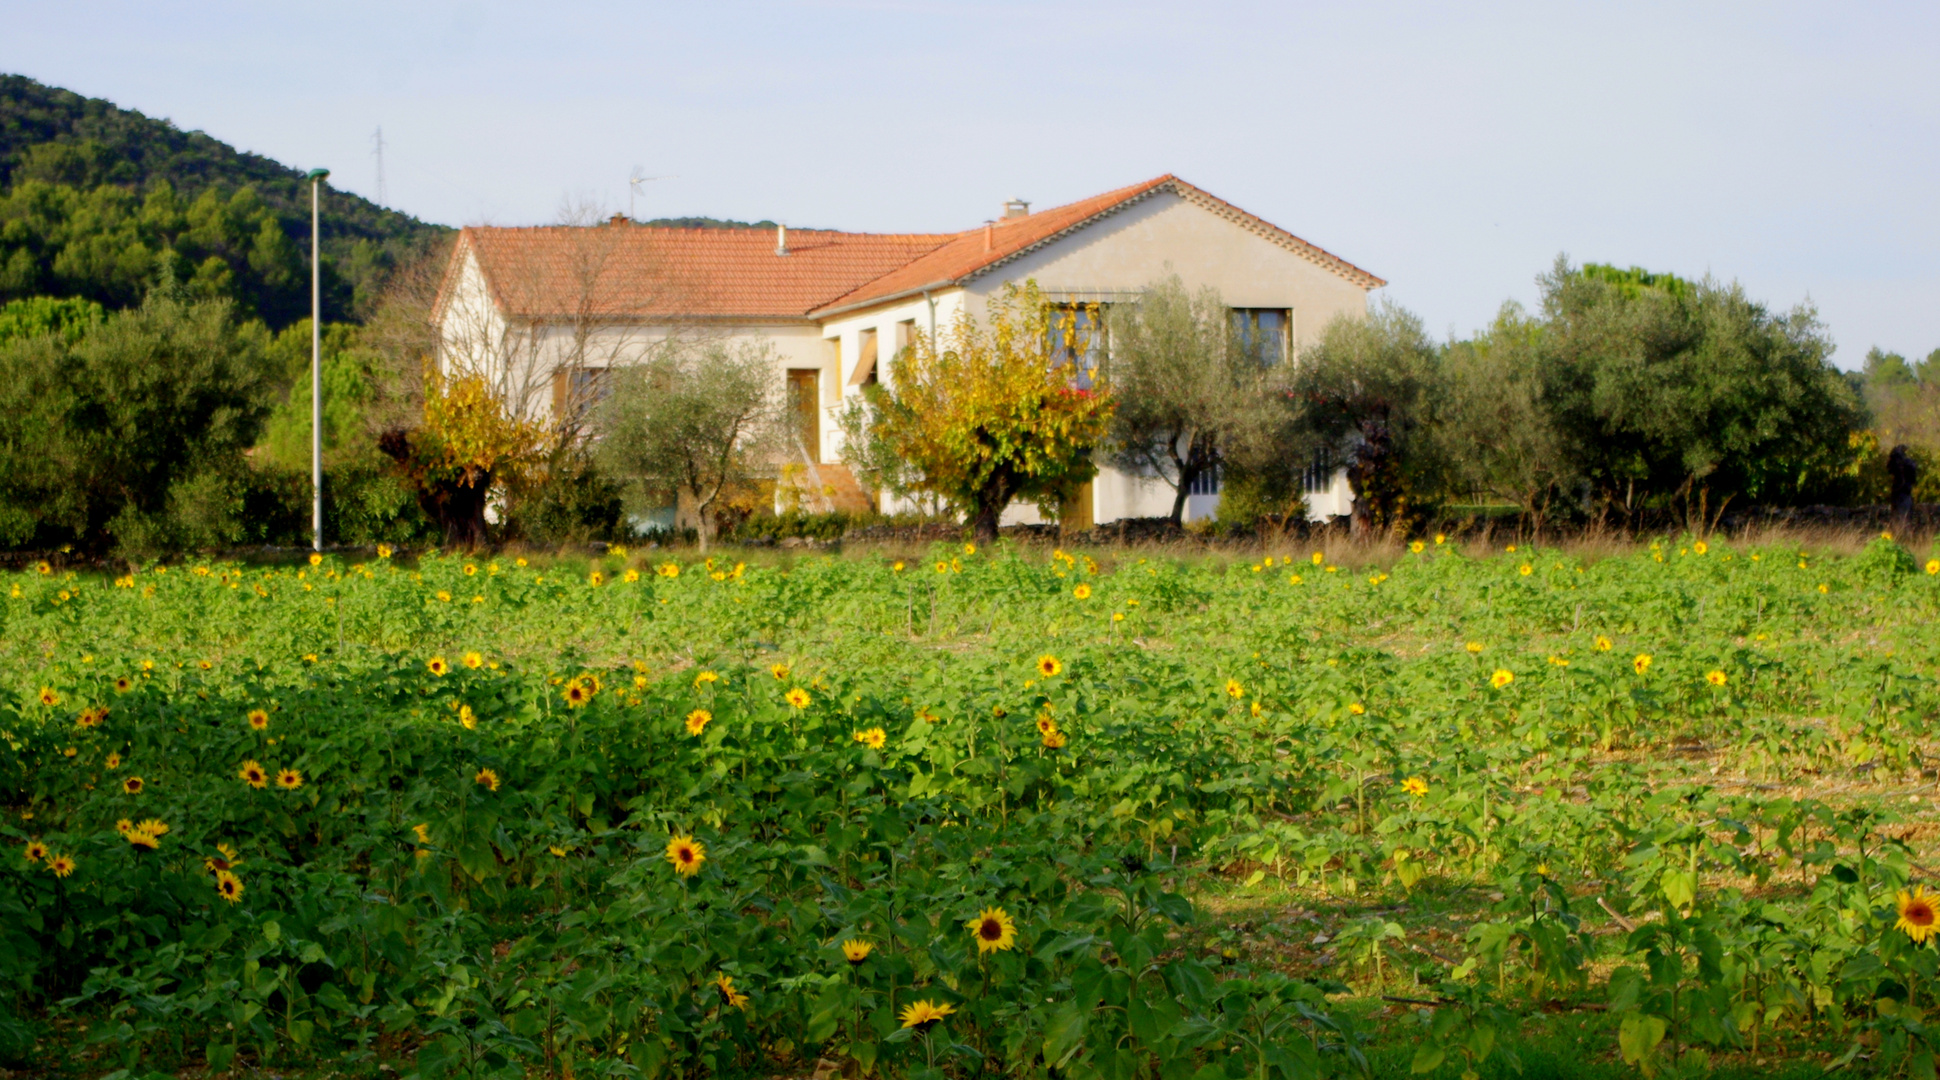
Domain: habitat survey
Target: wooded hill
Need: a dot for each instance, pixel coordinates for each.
(101, 202)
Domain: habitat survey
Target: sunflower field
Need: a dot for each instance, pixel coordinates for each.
(974, 813)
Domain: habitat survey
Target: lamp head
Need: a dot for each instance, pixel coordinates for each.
(316, 175)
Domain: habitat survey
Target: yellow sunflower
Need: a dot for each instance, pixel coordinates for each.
(1415, 786)
(289, 779)
(258, 719)
(228, 886)
(1054, 740)
(61, 865)
(577, 693)
(725, 983)
(797, 697)
(921, 1014)
(473, 660)
(1048, 665)
(123, 684)
(49, 697)
(1234, 690)
(437, 666)
(1474, 648)
(697, 721)
(487, 779)
(993, 929)
(1502, 678)
(252, 774)
(855, 951)
(36, 851)
(779, 671)
(1641, 664)
(132, 785)
(1046, 725)
(1716, 678)
(873, 738)
(1603, 644)
(686, 854)
(141, 840)
(1082, 592)
(1917, 914)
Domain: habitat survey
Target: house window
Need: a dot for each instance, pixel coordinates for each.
(865, 363)
(1077, 337)
(1206, 483)
(905, 336)
(1263, 332)
(575, 390)
(1319, 474)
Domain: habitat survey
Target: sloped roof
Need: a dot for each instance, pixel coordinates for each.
(625, 270)
(969, 255)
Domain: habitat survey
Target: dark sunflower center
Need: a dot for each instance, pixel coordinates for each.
(991, 930)
(1919, 914)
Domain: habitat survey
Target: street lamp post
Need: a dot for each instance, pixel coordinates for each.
(316, 365)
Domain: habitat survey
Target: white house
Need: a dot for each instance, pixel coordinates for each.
(543, 310)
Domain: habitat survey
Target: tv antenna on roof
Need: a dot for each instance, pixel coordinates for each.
(633, 183)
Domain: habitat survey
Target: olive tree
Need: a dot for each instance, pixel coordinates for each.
(1189, 391)
(692, 422)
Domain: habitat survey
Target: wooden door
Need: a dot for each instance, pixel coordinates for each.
(805, 395)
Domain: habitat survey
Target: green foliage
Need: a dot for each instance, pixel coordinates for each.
(100, 199)
(690, 423)
(402, 907)
(106, 432)
(568, 502)
(67, 318)
(1689, 395)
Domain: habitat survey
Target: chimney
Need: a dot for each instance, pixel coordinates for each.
(1017, 207)
(619, 219)
(987, 227)
(781, 239)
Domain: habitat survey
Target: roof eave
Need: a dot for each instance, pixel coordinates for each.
(824, 314)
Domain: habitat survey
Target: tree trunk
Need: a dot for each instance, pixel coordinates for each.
(984, 523)
(1187, 474)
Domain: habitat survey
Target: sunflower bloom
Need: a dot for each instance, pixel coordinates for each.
(1048, 666)
(1083, 591)
(577, 694)
(49, 697)
(1046, 725)
(698, 720)
(437, 666)
(1602, 643)
(1502, 678)
(798, 698)
(1474, 648)
(921, 1014)
(289, 779)
(36, 851)
(487, 779)
(228, 886)
(779, 671)
(1234, 690)
(855, 952)
(993, 929)
(61, 865)
(734, 998)
(473, 660)
(873, 738)
(686, 854)
(1415, 786)
(133, 785)
(259, 719)
(1642, 663)
(1055, 740)
(114, 761)
(253, 774)
(1917, 914)
(1716, 678)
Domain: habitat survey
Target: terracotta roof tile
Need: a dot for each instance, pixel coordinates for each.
(969, 255)
(624, 270)
(634, 270)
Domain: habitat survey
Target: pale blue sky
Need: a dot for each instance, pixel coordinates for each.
(1452, 149)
